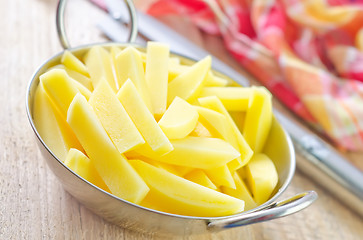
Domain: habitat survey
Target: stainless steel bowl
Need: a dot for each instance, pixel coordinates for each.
(126, 214)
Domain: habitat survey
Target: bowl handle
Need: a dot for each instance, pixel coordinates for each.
(61, 28)
(272, 211)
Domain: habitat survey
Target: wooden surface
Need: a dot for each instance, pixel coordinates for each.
(33, 204)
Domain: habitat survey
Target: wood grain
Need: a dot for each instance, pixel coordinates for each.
(33, 204)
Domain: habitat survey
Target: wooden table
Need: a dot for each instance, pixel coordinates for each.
(33, 204)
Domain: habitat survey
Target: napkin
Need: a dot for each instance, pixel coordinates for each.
(308, 53)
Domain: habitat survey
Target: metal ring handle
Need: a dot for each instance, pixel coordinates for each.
(272, 211)
(61, 26)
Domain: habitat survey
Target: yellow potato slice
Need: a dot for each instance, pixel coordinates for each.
(114, 52)
(128, 65)
(233, 98)
(183, 170)
(211, 80)
(188, 84)
(177, 170)
(179, 119)
(214, 121)
(68, 135)
(219, 124)
(258, 119)
(221, 176)
(114, 118)
(113, 167)
(156, 75)
(198, 176)
(99, 63)
(143, 59)
(46, 124)
(195, 152)
(241, 192)
(85, 81)
(82, 89)
(238, 118)
(143, 119)
(215, 104)
(175, 69)
(60, 88)
(82, 165)
(168, 167)
(80, 83)
(173, 194)
(174, 60)
(201, 131)
(72, 62)
(215, 81)
(262, 177)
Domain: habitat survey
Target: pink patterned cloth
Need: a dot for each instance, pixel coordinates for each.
(308, 53)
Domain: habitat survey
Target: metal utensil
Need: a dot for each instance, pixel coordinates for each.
(321, 163)
(278, 147)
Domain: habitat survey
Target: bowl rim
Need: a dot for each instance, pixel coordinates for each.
(35, 79)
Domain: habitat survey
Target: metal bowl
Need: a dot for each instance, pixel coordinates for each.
(278, 147)
(129, 215)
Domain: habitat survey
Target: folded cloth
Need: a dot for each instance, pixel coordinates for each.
(308, 53)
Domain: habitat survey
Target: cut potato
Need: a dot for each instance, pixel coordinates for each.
(233, 98)
(175, 169)
(195, 152)
(175, 69)
(114, 169)
(220, 124)
(168, 167)
(188, 84)
(72, 62)
(215, 104)
(170, 193)
(183, 170)
(114, 51)
(99, 64)
(262, 177)
(221, 176)
(214, 121)
(143, 119)
(156, 75)
(128, 65)
(199, 176)
(258, 119)
(238, 119)
(214, 81)
(157, 130)
(174, 60)
(46, 124)
(60, 88)
(85, 81)
(115, 119)
(201, 131)
(82, 165)
(179, 119)
(82, 89)
(241, 192)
